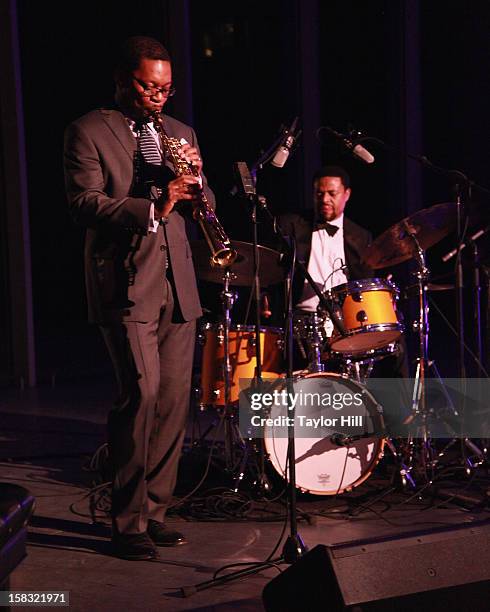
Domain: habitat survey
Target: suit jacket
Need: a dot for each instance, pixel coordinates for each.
(356, 239)
(124, 262)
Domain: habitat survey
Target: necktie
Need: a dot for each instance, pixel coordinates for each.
(330, 227)
(148, 146)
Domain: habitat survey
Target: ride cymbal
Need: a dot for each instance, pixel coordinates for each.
(396, 244)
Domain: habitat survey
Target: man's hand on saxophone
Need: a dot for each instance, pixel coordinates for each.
(191, 156)
(181, 188)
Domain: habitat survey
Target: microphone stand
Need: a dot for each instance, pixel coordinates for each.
(477, 306)
(471, 242)
(459, 284)
(294, 546)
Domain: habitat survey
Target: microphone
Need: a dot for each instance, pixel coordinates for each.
(357, 149)
(285, 146)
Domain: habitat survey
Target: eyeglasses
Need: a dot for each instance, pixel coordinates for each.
(149, 91)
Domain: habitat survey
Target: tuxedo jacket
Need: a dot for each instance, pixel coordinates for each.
(124, 262)
(356, 239)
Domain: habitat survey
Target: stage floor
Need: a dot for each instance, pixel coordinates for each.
(48, 435)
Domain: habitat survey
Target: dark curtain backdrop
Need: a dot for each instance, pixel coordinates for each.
(246, 79)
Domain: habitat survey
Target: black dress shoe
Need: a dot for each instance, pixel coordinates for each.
(162, 536)
(133, 546)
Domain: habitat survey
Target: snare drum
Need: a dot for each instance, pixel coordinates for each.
(323, 467)
(243, 359)
(367, 309)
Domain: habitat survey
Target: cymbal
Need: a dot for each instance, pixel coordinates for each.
(412, 290)
(270, 269)
(395, 245)
(438, 287)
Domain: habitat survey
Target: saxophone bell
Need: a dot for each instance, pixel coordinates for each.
(222, 253)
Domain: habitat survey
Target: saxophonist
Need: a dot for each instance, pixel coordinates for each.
(140, 282)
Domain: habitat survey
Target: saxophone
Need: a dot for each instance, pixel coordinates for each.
(222, 253)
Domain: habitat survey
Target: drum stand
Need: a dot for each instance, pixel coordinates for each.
(316, 343)
(419, 414)
(231, 431)
(427, 458)
(231, 435)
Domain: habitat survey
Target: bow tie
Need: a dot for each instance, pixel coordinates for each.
(330, 227)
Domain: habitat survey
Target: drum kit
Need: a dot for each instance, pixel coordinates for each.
(368, 309)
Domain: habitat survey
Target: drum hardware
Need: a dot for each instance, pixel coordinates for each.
(369, 355)
(359, 370)
(402, 471)
(472, 243)
(361, 316)
(309, 333)
(421, 453)
(242, 273)
(315, 361)
(217, 339)
(405, 240)
(419, 408)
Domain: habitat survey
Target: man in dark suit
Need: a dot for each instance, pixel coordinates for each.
(141, 285)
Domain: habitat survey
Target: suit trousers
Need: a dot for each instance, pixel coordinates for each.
(146, 427)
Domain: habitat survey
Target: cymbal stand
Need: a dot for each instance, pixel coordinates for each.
(420, 413)
(422, 325)
(477, 306)
(227, 300)
(231, 431)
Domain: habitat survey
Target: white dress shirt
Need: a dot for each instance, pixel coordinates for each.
(325, 265)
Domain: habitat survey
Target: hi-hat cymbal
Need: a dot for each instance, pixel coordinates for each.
(270, 269)
(396, 245)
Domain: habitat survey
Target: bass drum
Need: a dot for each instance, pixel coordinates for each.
(322, 466)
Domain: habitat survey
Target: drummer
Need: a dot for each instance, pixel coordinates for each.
(332, 246)
(329, 241)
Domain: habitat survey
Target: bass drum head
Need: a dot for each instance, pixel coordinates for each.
(323, 467)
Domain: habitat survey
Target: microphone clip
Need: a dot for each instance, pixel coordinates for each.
(351, 141)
